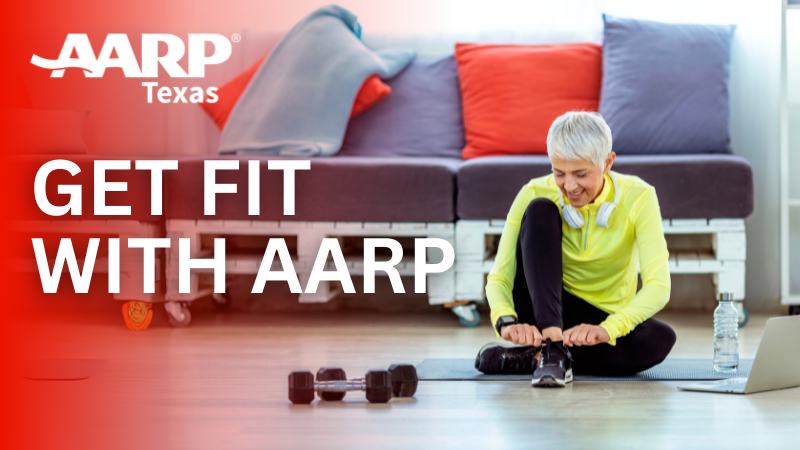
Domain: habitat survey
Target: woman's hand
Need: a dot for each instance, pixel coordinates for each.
(585, 335)
(522, 334)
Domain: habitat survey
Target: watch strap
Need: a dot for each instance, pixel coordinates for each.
(504, 321)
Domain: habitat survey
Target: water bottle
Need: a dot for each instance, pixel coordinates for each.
(726, 335)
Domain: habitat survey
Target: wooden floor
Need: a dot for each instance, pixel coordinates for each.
(222, 383)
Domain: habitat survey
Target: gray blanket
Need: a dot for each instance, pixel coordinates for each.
(299, 101)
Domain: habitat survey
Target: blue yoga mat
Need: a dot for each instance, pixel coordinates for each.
(669, 370)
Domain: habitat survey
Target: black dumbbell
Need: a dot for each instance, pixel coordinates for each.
(404, 380)
(331, 374)
(377, 384)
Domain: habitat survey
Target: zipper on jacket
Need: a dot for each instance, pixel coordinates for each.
(586, 235)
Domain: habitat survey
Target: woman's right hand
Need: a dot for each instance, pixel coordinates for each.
(522, 334)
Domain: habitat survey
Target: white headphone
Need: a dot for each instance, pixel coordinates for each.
(574, 218)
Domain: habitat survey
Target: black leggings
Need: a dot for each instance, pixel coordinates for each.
(540, 300)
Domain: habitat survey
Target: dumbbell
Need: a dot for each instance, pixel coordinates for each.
(404, 381)
(377, 384)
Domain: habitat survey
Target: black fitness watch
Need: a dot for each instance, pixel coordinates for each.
(504, 321)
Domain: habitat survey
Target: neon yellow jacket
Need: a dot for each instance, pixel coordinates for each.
(600, 265)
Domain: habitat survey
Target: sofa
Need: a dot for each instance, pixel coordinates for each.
(400, 174)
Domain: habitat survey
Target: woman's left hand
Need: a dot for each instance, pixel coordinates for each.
(584, 334)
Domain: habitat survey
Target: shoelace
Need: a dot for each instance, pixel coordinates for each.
(547, 359)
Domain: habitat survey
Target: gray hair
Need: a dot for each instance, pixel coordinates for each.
(580, 135)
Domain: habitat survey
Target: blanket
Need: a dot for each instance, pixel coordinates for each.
(299, 100)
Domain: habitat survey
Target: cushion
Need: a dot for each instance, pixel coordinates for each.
(422, 117)
(665, 86)
(351, 189)
(371, 92)
(513, 93)
(32, 131)
(688, 186)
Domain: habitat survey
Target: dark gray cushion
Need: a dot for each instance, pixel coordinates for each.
(335, 189)
(688, 186)
(421, 117)
(665, 86)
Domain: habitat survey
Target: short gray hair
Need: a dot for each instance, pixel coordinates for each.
(580, 135)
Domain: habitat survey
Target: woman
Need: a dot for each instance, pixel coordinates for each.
(565, 276)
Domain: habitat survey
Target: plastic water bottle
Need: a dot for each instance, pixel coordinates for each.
(726, 335)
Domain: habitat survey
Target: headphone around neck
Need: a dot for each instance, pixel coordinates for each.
(574, 218)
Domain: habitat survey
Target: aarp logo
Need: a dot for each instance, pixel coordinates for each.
(95, 66)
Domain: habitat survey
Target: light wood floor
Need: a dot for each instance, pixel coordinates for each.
(221, 383)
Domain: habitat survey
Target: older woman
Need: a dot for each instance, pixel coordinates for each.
(563, 285)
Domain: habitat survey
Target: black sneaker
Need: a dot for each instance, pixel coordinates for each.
(555, 367)
(497, 359)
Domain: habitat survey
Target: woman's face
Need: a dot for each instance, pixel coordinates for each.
(580, 181)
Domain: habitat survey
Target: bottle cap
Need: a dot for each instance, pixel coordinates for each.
(725, 297)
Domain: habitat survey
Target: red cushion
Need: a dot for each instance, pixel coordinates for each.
(371, 92)
(511, 94)
(33, 131)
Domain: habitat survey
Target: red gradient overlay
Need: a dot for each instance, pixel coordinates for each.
(68, 334)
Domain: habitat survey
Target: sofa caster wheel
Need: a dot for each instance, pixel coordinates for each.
(794, 310)
(744, 315)
(137, 315)
(179, 315)
(467, 313)
(221, 301)
(471, 323)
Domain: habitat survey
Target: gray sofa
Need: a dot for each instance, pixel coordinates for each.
(399, 174)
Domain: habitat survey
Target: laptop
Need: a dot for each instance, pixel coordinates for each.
(776, 366)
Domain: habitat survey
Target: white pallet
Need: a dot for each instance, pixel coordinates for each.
(237, 264)
(726, 265)
(790, 300)
(131, 277)
(440, 288)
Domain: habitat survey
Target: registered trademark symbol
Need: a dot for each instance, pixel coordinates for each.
(236, 37)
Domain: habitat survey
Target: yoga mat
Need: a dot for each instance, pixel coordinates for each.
(669, 370)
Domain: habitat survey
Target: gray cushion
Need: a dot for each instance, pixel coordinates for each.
(665, 86)
(335, 189)
(688, 186)
(25, 168)
(421, 117)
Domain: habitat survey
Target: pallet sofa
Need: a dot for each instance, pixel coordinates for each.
(376, 195)
(400, 174)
